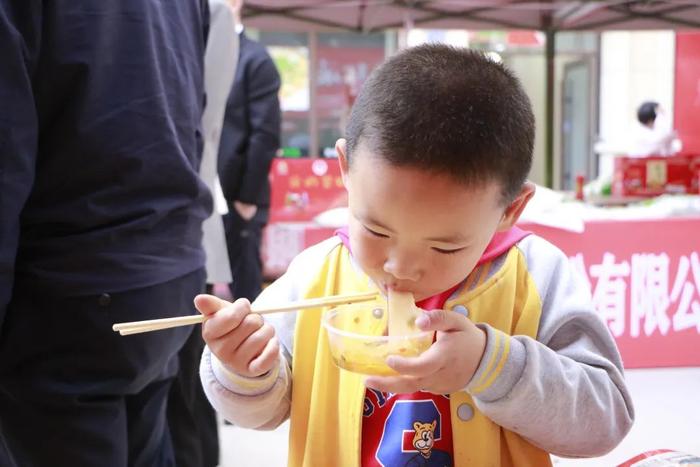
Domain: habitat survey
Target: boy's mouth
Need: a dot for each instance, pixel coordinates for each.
(385, 286)
(418, 295)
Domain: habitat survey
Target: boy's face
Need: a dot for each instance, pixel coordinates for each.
(419, 232)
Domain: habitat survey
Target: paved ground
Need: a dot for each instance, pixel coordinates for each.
(667, 403)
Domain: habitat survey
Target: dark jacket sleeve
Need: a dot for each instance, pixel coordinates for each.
(250, 134)
(264, 125)
(20, 25)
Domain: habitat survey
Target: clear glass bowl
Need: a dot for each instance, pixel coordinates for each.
(358, 341)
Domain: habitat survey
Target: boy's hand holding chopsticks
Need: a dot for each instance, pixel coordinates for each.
(239, 337)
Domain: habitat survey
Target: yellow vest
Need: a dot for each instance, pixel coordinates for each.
(327, 403)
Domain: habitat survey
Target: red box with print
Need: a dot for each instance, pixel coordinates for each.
(303, 188)
(655, 175)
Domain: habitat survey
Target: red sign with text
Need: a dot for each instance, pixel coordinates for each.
(304, 188)
(645, 283)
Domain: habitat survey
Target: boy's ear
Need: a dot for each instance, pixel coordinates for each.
(341, 149)
(515, 208)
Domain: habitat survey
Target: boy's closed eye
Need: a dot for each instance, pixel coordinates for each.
(444, 251)
(447, 251)
(375, 233)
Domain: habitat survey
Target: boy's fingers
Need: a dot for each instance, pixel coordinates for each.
(225, 319)
(209, 304)
(394, 384)
(423, 365)
(254, 344)
(442, 320)
(267, 360)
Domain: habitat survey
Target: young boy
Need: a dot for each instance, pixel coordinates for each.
(438, 147)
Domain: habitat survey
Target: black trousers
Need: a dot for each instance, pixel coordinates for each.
(191, 418)
(243, 240)
(75, 393)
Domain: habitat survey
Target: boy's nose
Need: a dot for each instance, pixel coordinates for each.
(402, 268)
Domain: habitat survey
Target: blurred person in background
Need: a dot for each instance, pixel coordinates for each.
(654, 135)
(249, 141)
(101, 211)
(191, 418)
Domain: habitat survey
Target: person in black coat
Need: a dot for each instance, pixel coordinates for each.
(249, 141)
(101, 211)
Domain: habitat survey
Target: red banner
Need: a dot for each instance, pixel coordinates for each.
(645, 283)
(686, 107)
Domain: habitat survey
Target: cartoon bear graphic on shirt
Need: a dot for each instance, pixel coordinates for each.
(423, 441)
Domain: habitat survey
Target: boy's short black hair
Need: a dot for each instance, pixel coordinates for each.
(447, 110)
(646, 113)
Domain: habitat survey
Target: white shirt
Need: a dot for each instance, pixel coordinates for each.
(220, 59)
(659, 140)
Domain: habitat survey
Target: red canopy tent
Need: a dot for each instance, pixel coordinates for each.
(372, 15)
(547, 16)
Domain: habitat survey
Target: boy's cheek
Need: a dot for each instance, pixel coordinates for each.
(369, 256)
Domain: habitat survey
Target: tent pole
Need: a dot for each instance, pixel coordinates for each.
(313, 102)
(549, 108)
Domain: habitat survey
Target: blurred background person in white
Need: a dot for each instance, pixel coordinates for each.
(654, 134)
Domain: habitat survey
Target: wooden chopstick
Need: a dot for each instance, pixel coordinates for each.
(136, 327)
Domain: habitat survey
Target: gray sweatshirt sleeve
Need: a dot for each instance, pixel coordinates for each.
(564, 391)
(263, 403)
